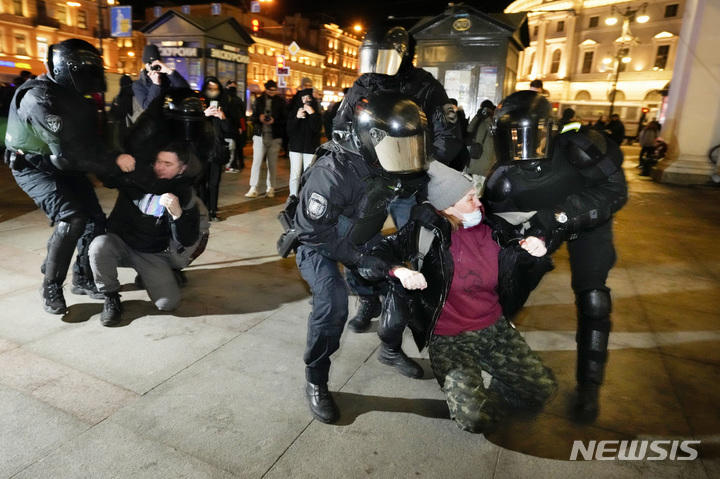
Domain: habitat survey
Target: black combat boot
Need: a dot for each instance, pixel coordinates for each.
(322, 405)
(587, 404)
(368, 309)
(86, 286)
(53, 298)
(397, 357)
(112, 310)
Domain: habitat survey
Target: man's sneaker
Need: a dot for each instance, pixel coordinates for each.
(253, 193)
(53, 299)
(368, 309)
(231, 170)
(322, 405)
(270, 193)
(112, 310)
(83, 285)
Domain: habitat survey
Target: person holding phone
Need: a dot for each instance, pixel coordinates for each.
(155, 78)
(269, 116)
(223, 124)
(303, 128)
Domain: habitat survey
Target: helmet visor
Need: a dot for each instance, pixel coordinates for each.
(527, 143)
(87, 73)
(384, 62)
(401, 154)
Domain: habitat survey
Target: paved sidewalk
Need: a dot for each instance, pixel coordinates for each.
(216, 390)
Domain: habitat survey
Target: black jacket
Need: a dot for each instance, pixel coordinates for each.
(148, 233)
(304, 133)
(278, 110)
(57, 129)
(584, 180)
(342, 205)
(146, 91)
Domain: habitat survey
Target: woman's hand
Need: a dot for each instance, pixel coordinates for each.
(410, 279)
(533, 245)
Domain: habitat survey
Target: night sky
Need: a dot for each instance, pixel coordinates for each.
(342, 12)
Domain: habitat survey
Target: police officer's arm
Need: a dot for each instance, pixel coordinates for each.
(323, 197)
(600, 163)
(447, 130)
(69, 148)
(393, 251)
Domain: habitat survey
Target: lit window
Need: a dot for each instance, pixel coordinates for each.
(82, 19)
(661, 57)
(20, 45)
(587, 62)
(555, 63)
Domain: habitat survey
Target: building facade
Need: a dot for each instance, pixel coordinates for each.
(29, 27)
(588, 65)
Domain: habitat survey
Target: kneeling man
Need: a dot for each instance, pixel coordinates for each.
(152, 210)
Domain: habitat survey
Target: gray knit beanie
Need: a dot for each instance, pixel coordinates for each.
(446, 186)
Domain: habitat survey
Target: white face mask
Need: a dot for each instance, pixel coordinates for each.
(472, 219)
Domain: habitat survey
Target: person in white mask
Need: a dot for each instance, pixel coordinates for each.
(450, 297)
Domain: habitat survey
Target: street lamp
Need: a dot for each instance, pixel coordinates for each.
(626, 39)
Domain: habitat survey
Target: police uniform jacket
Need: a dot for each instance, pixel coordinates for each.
(56, 129)
(342, 204)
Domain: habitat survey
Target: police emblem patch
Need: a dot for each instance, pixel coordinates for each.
(317, 206)
(54, 123)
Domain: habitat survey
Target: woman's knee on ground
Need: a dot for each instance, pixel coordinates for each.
(473, 408)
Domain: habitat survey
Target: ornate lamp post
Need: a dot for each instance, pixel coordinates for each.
(626, 39)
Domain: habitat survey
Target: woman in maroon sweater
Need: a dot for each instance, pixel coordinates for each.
(453, 306)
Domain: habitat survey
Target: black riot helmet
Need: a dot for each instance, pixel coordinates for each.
(524, 128)
(390, 131)
(76, 64)
(185, 113)
(384, 49)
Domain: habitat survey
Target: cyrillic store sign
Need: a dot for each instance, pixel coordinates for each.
(179, 52)
(236, 57)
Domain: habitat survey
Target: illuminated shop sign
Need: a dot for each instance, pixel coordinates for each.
(228, 56)
(179, 52)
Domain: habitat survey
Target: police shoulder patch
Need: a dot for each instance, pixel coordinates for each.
(317, 206)
(54, 123)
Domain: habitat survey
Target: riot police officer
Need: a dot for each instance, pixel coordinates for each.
(386, 57)
(574, 180)
(341, 210)
(52, 141)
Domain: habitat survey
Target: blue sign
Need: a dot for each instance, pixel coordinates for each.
(186, 9)
(215, 9)
(157, 11)
(121, 21)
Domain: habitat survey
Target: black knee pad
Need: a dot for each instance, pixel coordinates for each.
(594, 304)
(69, 230)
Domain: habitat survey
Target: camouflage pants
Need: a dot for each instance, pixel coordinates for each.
(519, 378)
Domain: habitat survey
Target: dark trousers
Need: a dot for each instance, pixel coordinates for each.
(329, 311)
(64, 196)
(592, 255)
